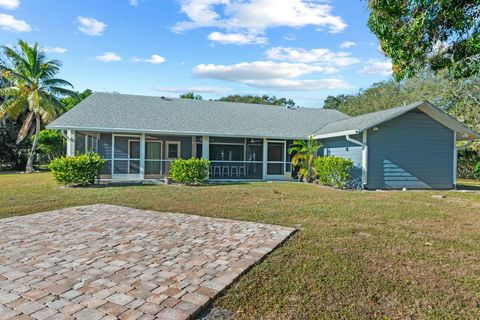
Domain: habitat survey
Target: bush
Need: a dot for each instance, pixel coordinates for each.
(81, 170)
(333, 171)
(477, 171)
(467, 161)
(190, 172)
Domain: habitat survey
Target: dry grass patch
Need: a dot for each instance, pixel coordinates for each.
(358, 254)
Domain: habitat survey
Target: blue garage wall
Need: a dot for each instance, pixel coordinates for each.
(412, 151)
(340, 147)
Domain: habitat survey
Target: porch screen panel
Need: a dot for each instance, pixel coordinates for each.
(153, 158)
(276, 158)
(126, 151)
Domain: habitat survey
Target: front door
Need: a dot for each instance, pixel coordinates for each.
(276, 160)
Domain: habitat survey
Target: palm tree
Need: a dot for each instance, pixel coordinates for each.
(31, 90)
(304, 152)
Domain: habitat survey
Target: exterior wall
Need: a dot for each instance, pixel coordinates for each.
(340, 147)
(105, 150)
(412, 151)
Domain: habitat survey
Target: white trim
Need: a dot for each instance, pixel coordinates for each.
(365, 159)
(455, 159)
(174, 133)
(227, 144)
(194, 147)
(142, 156)
(335, 134)
(206, 147)
(264, 159)
(179, 149)
(70, 143)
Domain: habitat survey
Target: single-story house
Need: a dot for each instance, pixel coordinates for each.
(412, 146)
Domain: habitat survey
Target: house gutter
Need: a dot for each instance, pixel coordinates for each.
(364, 146)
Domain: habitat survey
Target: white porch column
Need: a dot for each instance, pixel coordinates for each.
(70, 143)
(206, 148)
(142, 156)
(455, 159)
(265, 156)
(365, 158)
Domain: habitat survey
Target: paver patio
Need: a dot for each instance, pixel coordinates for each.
(109, 262)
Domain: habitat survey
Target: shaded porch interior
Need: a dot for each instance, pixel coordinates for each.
(149, 156)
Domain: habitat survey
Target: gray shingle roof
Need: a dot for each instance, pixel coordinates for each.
(115, 112)
(131, 113)
(369, 120)
(359, 123)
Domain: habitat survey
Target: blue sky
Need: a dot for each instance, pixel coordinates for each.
(299, 49)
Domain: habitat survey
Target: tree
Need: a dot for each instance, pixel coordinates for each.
(304, 153)
(440, 34)
(332, 102)
(51, 143)
(72, 101)
(32, 88)
(191, 95)
(265, 99)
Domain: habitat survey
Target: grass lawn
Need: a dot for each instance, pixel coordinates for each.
(357, 254)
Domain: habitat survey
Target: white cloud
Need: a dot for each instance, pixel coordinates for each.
(318, 56)
(194, 89)
(9, 4)
(236, 38)
(91, 26)
(258, 70)
(109, 57)
(290, 37)
(297, 84)
(270, 74)
(348, 44)
(54, 50)
(154, 59)
(9, 23)
(257, 16)
(374, 66)
(133, 3)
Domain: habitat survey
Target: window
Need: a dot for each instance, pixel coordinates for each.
(173, 149)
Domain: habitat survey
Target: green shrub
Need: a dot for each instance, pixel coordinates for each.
(191, 171)
(333, 171)
(477, 171)
(81, 170)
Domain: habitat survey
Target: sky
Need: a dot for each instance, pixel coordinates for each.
(305, 50)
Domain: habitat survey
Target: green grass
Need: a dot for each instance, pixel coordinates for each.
(357, 254)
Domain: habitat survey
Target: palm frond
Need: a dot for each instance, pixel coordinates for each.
(55, 82)
(13, 108)
(62, 91)
(50, 107)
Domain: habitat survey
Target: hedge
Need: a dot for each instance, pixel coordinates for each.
(191, 171)
(333, 171)
(81, 170)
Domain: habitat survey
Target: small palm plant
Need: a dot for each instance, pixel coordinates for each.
(304, 152)
(31, 90)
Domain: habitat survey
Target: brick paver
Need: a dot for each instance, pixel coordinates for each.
(108, 262)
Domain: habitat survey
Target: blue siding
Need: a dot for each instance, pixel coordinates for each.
(340, 147)
(412, 151)
(105, 150)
